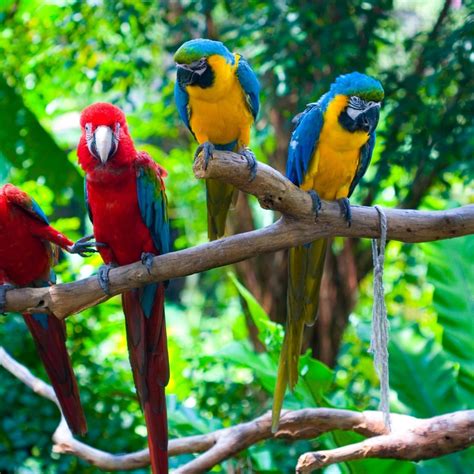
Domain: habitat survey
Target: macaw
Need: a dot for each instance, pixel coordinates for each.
(28, 248)
(329, 152)
(217, 95)
(126, 200)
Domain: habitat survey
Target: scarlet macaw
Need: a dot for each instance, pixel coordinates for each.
(27, 251)
(127, 205)
(216, 93)
(329, 152)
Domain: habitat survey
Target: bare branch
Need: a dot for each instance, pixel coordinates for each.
(411, 438)
(296, 227)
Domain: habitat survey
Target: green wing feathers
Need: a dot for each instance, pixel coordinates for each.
(219, 200)
(305, 270)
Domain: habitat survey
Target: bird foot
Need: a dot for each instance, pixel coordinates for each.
(147, 260)
(85, 247)
(248, 154)
(103, 277)
(3, 295)
(346, 212)
(207, 148)
(316, 202)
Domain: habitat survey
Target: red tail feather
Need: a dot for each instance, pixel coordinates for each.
(148, 352)
(50, 338)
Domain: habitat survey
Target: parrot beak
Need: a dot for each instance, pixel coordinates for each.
(103, 142)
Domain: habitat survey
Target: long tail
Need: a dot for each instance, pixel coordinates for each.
(305, 270)
(219, 199)
(148, 351)
(50, 336)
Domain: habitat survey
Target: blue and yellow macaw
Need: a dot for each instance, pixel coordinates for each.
(216, 93)
(329, 152)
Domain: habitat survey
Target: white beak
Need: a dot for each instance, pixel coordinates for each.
(103, 142)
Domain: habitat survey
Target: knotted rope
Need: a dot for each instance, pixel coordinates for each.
(380, 327)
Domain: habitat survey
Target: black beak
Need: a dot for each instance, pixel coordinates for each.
(191, 74)
(370, 118)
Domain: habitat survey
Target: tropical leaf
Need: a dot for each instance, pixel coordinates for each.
(25, 144)
(451, 272)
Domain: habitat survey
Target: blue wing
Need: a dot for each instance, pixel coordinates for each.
(304, 140)
(249, 82)
(153, 209)
(182, 102)
(152, 203)
(364, 160)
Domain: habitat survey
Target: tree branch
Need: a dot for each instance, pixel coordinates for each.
(411, 438)
(296, 227)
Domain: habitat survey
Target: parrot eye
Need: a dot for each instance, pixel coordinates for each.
(88, 128)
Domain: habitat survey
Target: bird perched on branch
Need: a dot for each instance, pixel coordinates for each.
(329, 152)
(127, 204)
(28, 249)
(217, 95)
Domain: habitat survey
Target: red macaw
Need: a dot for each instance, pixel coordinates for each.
(27, 251)
(127, 204)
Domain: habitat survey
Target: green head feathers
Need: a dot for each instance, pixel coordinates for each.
(360, 85)
(196, 49)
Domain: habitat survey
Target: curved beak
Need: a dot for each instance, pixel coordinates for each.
(103, 140)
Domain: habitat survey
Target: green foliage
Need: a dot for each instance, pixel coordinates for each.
(57, 57)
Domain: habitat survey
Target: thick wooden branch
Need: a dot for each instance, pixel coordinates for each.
(411, 438)
(296, 227)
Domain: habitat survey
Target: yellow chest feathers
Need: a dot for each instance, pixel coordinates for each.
(220, 113)
(336, 157)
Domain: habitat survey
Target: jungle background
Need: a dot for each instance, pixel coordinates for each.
(59, 56)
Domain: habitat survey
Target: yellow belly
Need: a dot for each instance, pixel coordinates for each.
(219, 113)
(336, 158)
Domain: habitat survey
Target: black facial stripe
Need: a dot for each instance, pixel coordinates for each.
(93, 147)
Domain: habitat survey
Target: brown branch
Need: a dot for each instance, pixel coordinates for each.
(411, 438)
(296, 227)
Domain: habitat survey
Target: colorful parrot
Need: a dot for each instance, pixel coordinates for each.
(27, 252)
(329, 152)
(126, 200)
(216, 93)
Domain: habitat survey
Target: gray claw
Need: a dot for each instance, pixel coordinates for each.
(248, 154)
(103, 277)
(85, 247)
(346, 212)
(3, 295)
(208, 149)
(147, 260)
(316, 202)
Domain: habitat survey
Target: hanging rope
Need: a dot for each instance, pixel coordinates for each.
(380, 327)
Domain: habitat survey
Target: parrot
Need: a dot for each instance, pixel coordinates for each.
(127, 204)
(28, 249)
(217, 96)
(329, 152)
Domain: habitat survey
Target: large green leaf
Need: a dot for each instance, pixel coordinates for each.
(28, 146)
(451, 272)
(422, 376)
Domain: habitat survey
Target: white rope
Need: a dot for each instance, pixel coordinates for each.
(380, 327)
